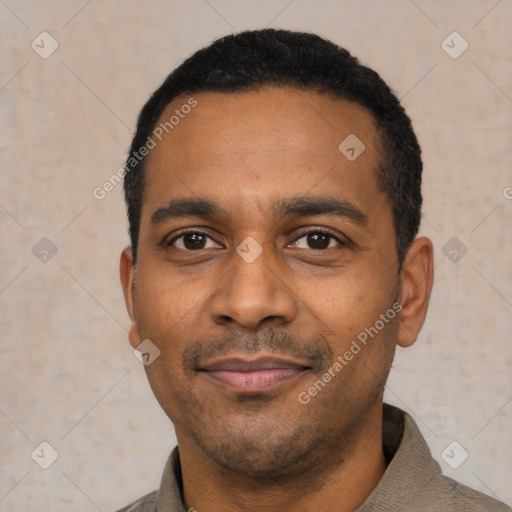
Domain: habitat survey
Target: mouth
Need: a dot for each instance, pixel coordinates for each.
(250, 373)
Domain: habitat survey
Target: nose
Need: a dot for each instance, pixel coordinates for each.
(253, 294)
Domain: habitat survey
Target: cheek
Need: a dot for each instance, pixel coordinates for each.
(168, 313)
(162, 303)
(353, 302)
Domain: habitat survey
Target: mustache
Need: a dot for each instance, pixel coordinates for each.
(269, 340)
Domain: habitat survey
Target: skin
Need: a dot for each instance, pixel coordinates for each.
(303, 298)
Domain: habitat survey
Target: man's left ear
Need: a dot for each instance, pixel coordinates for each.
(417, 277)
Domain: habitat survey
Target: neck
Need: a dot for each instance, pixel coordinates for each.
(341, 482)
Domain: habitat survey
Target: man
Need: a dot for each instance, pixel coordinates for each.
(274, 194)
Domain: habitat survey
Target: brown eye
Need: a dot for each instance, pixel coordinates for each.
(195, 241)
(192, 241)
(317, 240)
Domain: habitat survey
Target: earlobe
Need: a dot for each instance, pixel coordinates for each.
(416, 287)
(127, 275)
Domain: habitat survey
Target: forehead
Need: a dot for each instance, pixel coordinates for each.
(262, 143)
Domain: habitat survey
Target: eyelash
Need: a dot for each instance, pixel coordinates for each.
(199, 231)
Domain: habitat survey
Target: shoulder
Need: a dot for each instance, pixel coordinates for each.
(414, 480)
(443, 493)
(145, 504)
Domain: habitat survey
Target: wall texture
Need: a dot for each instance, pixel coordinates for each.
(67, 374)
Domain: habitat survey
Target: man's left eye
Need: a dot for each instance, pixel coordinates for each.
(318, 240)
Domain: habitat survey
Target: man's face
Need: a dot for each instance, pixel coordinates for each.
(252, 300)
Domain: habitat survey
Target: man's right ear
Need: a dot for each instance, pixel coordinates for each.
(127, 274)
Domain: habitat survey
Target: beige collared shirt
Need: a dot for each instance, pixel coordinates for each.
(412, 482)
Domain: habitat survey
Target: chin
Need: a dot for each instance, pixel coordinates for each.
(257, 453)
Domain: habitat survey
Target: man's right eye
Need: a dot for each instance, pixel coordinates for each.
(192, 241)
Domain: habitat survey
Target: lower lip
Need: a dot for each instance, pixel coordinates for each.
(255, 381)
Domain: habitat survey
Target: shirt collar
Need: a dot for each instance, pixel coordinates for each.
(410, 468)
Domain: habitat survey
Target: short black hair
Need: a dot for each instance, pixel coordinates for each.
(256, 58)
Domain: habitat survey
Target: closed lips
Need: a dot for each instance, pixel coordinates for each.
(236, 364)
(252, 376)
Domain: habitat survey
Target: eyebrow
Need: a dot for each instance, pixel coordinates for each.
(314, 205)
(293, 207)
(188, 207)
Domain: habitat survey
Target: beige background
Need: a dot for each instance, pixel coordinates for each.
(67, 374)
